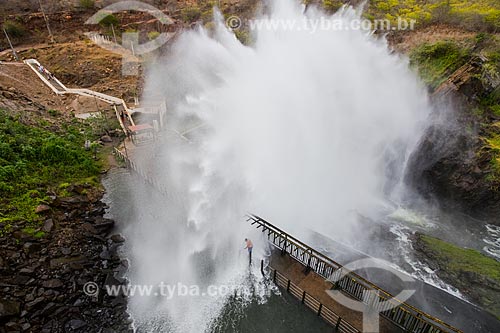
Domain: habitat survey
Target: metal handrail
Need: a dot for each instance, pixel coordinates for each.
(139, 171)
(326, 267)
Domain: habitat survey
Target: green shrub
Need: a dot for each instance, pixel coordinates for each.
(435, 62)
(109, 20)
(33, 159)
(87, 4)
(496, 110)
(332, 5)
(14, 29)
(152, 35)
(243, 36)
(191, 13)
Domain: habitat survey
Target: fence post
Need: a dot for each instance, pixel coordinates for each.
(308, 267)
(319, 310)
(274, 276)
(338, 323)
(303, 297)
(283, 250)
(288, 286)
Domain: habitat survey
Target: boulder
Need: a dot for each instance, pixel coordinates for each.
(9, 308)
(66, 251)
(48, 225)
(76, 324)
(53, 283)
(30, 247)
(117, 238)
(30, 305)
(89, 228)
(41, 209)
(106, 138)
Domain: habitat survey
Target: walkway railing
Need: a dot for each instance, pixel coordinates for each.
(312, 303)
(402, 314)
(139, 171)
(59, 88)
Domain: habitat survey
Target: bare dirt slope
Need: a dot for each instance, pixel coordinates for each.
(22, 91)
(83, 64)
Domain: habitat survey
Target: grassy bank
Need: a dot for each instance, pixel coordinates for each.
(476, 275)
(35, 162)
(436, 62)
(462, 260)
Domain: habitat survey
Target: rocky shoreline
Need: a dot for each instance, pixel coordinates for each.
(43, 273)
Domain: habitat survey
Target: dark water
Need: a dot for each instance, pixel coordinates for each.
(279, 314)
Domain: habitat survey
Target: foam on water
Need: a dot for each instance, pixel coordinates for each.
(419, 270)
(492, 240)
(411, 218)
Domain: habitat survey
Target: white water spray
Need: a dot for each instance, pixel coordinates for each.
(305, 129)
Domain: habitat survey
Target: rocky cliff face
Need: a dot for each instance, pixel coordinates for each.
(453, 162)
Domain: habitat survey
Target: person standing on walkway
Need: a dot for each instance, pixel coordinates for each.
(249, 247)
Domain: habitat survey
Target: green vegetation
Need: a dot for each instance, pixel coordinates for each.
(33, 160)
(52, 112)
(475, 274)
(489, 101)
(494, 144)
(459, 260)
(109, 20)
(496, 110)
(14, 29)
(436, 62)
(469, 14)
(243, 36)
(152, 35)
(332, 5)
(87, 4)
(191, 13)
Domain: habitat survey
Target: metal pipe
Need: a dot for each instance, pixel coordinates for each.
(46, 22)
(10, 43)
